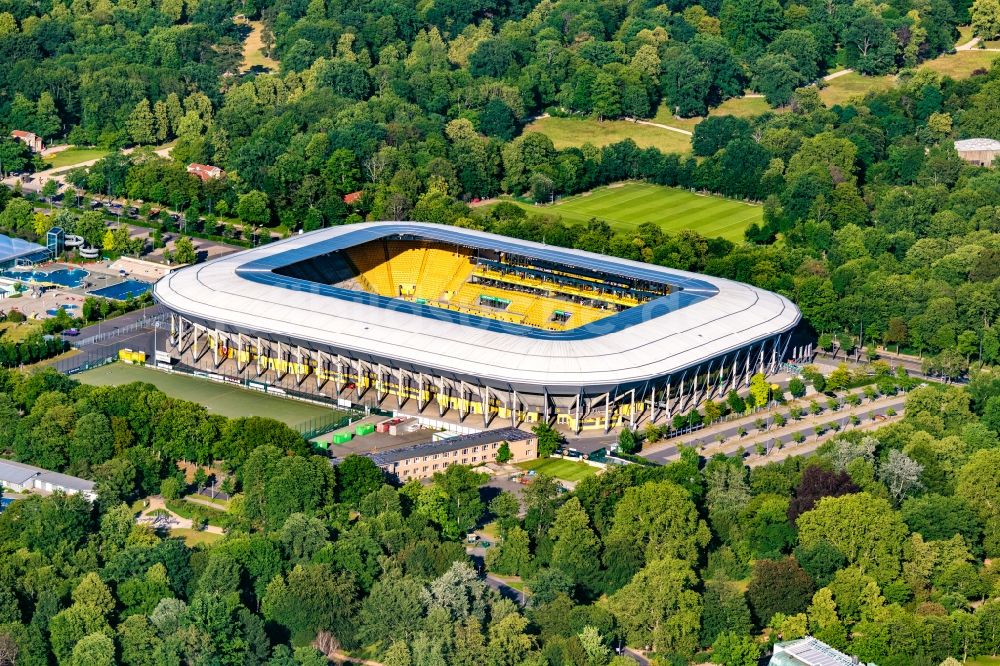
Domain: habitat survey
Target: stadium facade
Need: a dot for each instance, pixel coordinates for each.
(438, 319)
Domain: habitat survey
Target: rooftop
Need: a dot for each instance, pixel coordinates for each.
(977, 144)
(703, 317)
(15, 472)
(451, 444)
(15, 248)
(808, 651)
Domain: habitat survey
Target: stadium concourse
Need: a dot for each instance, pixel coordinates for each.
(448, 319)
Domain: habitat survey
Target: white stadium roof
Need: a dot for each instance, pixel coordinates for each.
(703, 318)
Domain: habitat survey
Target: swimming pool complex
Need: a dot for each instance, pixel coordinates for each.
(65, 277)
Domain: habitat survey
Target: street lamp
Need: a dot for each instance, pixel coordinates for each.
(156, 327)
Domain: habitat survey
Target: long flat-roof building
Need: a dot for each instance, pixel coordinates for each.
(481, 324)
(422, 461)
(20, 477)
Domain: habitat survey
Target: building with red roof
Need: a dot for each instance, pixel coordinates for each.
(31, 139)
(205, 171)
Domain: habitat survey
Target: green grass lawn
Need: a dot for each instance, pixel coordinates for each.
(845, 88)
(961, 65)
(741, 107)
(964, 34)
(223, 399)
(16, 332)
(560, 468)
(193, 538)
(253, 54)
(744, 107)
(569, 132)
(665, 116)
(626, 206)
(983, 661)
(71, 156)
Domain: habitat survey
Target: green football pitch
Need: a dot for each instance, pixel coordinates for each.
(627, 206)
(223, 399)
(560, 468)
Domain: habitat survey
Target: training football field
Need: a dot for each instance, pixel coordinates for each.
(560, 468)
(224, 399)
(628, 205)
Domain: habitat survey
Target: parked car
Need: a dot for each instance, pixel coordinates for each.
(71, 332)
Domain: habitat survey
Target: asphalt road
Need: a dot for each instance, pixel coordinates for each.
(843, 417)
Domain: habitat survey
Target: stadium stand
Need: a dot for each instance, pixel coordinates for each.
(289, 315)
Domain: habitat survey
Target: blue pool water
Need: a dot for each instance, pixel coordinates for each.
(66, 277)
(69, 307)
(122, 290)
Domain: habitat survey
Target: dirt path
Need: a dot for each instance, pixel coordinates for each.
(969, 45)
(159, 516)
(837, 75)
(660, 125)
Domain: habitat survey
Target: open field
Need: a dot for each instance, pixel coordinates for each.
(223, 399)
(253, 54)
(983, 661)
(71, 156)
(961, 65)
(569, 132)
(560, 468)
(16, 332)
(665, 116)
(628, 205)
(741, 107)
(744, 107)
(845, 88)
(964, 34)
(194, 538)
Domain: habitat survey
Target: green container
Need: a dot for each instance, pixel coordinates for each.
(342, 437)
(365, 429)
(323, 445)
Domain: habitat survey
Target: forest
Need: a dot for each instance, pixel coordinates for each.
(884, 544)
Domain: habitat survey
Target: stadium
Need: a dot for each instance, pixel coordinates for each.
(439, 319)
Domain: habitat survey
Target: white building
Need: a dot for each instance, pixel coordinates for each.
(20, 478)
(809, 651)
(981, 152)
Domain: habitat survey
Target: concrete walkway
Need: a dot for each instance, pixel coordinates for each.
(968, 46)
(159, 516)
(660, 125)
(837, 75)
(809, 447)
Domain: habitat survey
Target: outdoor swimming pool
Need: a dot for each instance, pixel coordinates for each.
(66, 277)
(69, 307)
(122, 290)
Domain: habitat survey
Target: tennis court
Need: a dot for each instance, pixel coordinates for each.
(122, 290)
(225, 399)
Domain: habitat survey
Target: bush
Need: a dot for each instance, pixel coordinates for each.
(627, 442)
